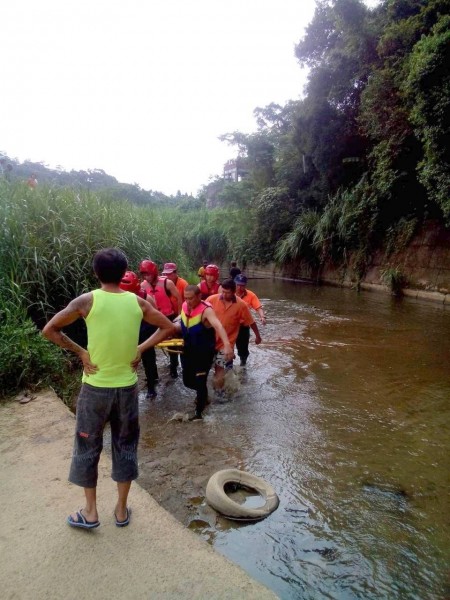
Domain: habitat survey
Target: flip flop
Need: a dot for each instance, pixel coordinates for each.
(81, 521)
(126, 521)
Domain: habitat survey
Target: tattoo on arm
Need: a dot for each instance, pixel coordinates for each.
(65, 342)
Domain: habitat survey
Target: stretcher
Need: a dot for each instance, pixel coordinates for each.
(175, 345)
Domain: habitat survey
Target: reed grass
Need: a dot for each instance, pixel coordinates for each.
(49, 237)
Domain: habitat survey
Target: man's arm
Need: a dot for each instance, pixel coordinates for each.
(256, 305)
(261, 314)
(248, 320)
(175, 293)
(154, 317)
(255, 330)
(213, 320)
(78, 308)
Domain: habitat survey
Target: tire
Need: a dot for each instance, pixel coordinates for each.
(218, 499)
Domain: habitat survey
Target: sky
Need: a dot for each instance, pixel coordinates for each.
(142, 89)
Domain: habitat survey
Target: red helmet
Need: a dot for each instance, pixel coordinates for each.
(148, 267)
(130, 282)
(212, 270)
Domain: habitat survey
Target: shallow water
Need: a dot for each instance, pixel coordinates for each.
(344, 409)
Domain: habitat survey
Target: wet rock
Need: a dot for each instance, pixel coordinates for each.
(179, 416)
(386, 489)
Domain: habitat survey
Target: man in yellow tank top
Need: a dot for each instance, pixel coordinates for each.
(109, 390)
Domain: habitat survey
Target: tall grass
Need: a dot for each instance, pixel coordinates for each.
(347, 224)
(49, 237)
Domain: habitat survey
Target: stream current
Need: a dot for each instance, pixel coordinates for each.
(344, 409)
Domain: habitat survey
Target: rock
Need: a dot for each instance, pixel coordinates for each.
(179, 416)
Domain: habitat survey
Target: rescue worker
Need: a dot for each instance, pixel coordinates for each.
(252, 301)
(210, 285)
(131, 283)
(231, 312)
(199, 327)
(171, 272)
(201, 271)
(161, 289)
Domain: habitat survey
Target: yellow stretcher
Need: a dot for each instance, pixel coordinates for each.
(174, 345)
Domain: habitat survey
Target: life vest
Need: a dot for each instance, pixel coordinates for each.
(206, 292)
(194, 332)
(161, 295)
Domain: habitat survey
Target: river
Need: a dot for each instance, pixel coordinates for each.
(344, 409)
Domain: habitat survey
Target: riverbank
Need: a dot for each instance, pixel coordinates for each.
(416, 294)
(423, 266)
(44, 558)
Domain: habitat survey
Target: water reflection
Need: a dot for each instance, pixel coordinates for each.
(344, 410)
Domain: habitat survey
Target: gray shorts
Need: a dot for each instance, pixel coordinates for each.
(95, 407)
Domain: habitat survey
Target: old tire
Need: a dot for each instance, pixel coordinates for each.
(218, 499)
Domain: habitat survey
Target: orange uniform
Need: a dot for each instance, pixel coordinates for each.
(231, 317)
(251, 299)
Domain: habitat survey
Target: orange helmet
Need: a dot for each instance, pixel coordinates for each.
(148, 267)
(212, 270)
(130, 282)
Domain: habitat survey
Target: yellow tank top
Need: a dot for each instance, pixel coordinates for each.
(113, 332)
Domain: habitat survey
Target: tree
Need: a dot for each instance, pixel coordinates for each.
(427, 87)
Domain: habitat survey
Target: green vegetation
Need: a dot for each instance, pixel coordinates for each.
(26, 359)
(49, 236)
(366, 151)
(394, 279)
(355, 166)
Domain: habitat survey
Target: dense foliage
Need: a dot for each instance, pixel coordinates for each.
(26, 359)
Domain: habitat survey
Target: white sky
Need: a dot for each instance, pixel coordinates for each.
(143, 88)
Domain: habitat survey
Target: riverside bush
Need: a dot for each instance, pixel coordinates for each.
(27, 360)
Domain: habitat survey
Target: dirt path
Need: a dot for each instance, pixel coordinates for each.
(43, 558)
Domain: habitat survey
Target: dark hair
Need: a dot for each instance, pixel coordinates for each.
(233, 263)
(228, 284)
(192, 288)
(110, 265)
